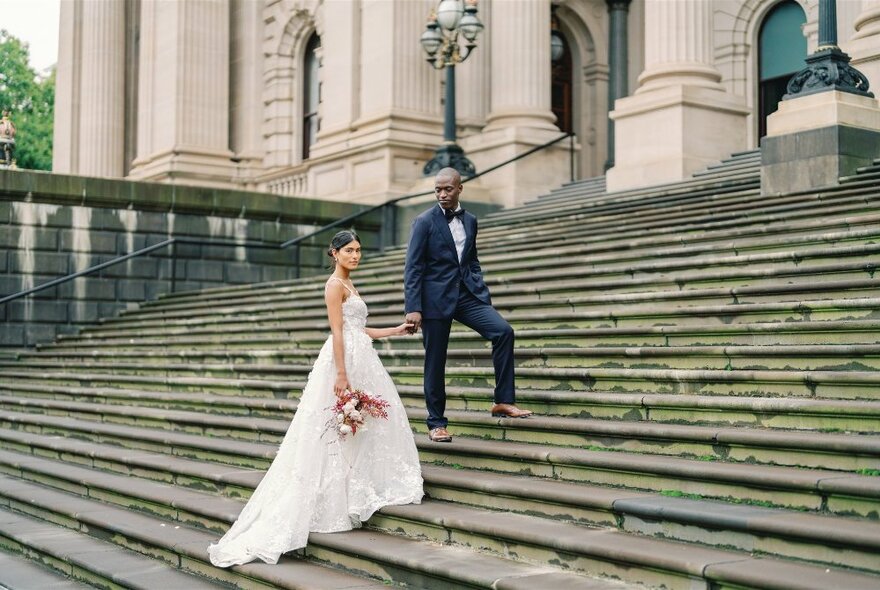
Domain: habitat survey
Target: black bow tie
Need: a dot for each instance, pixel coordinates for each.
(450, 215)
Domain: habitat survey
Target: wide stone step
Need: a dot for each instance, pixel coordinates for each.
(830, 357)
(746, 527)
(72, 552)
(165, 541)
(846, 452)
(853, 543)
(734, 184)
(701, 206)
(735, 277)
(266, 313)
(652, 560)
(615, 268)
(20, 573)
(551, 499)
(738, 188)
(756, 334)
(811, 489)
(766, 412)
(234, 379)
(381, 556)
(645, 240)
(735, 209)
(542, 314)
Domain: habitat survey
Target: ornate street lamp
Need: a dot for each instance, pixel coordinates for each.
(828, 68)
(453, 18)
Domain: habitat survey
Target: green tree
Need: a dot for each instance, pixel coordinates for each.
(30, 99)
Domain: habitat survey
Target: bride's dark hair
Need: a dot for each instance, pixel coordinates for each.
(340, 240)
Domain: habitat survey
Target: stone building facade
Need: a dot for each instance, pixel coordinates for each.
(333, 99)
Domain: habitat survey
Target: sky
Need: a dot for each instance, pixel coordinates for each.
(36, 23)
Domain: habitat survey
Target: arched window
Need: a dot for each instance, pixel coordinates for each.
(311, 94)
(782, 48)
(561, 84)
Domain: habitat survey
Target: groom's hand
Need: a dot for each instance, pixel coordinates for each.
(414, 318)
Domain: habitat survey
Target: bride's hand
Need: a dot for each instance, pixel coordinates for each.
(341, 384)
(403, 329)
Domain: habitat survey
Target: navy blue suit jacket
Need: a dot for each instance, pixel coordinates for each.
(432, 276)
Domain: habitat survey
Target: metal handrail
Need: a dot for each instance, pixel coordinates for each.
(295, 242)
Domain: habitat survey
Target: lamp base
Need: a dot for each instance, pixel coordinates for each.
(449, 155)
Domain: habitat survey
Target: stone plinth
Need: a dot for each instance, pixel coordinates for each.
(681, 118)
(669, 133)
(814, 140)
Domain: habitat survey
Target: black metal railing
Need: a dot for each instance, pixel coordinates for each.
(387, 230)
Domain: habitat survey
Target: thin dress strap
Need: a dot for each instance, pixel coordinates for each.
(347, 288)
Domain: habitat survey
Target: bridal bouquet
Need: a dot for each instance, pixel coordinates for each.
(351, 410)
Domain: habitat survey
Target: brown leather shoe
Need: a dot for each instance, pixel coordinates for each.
(440, 435)
(509, 411)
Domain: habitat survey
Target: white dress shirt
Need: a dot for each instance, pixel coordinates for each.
(456, 226)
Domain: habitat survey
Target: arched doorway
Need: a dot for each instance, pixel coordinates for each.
(561, 77)
(782, 48)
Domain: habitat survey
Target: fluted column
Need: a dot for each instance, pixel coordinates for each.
(473, 79)
(102, 88)
(520, 117)
(864, 47)
(520, 57)
(681, 118)
(183, 99)
(678, 45)
(65, 142)
(246, 109)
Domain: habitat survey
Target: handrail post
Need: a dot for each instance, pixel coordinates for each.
(173, 266)
(571, 157)
(296, 260)
(388, 231)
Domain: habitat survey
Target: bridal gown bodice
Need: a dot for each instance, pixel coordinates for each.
(318, 482)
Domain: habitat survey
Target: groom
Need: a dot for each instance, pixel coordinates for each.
(443, 281)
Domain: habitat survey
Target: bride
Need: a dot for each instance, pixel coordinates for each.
(321, 482)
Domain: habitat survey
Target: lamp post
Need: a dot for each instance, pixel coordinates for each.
(828, 68)
(440, 41)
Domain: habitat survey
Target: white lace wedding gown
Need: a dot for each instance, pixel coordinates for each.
(318, 483)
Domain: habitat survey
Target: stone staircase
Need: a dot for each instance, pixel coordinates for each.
(703, 361)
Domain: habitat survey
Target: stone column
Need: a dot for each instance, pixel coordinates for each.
(520, 55)
(183, 98)
(618, 86)
(102, 89)
(864, 47)
(681, 118)
(246, 109)
(65, 142)
(520, 116)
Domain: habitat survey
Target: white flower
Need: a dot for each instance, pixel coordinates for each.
(355, 415)
(340, 418)
(344, 429)
(348, 407)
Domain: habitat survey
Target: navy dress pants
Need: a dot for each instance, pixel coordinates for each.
(489, 324)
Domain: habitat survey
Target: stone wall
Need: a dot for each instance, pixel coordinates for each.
(52, 225)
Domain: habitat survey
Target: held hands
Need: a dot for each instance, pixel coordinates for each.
(402, 330)
(414, 320)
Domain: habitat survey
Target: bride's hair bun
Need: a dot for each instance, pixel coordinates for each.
(341, 239)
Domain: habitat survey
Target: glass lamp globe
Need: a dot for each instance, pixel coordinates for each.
(557, 46)
(449, 13)
(431, 39)
(470, 26)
